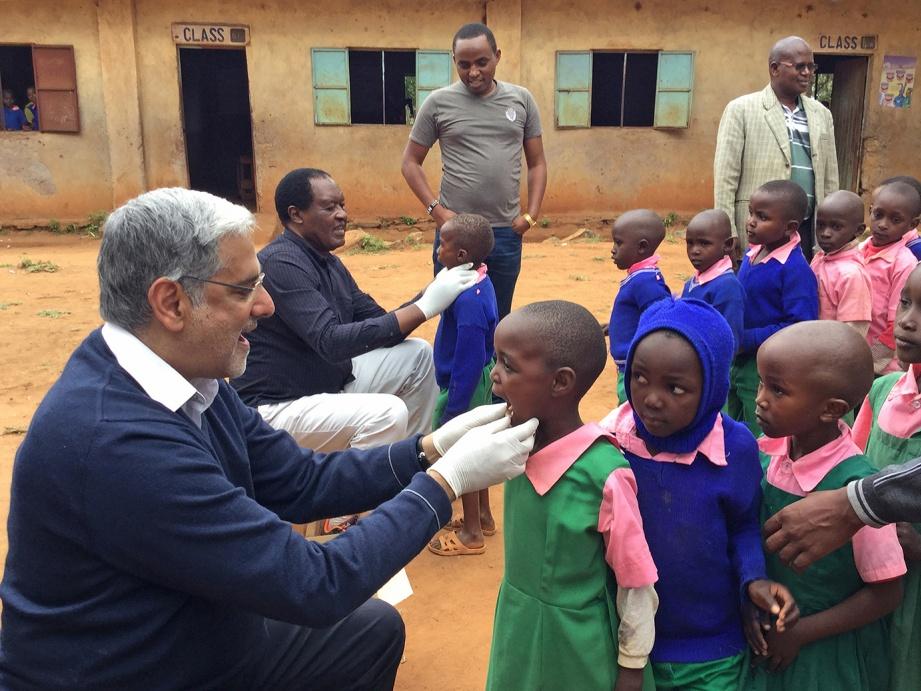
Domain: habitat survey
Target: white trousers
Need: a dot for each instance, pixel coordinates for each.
(392, 396)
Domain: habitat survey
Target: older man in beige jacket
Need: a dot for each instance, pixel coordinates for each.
(774, 134)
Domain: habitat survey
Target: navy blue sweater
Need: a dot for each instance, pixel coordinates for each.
(776, 295)
(145, 552)
(726, 295)
(702, 525)
(637, 292)
(464, 345)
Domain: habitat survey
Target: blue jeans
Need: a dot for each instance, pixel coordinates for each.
(504, 264)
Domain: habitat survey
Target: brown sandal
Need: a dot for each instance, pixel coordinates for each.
(448, 544)
(456, 524)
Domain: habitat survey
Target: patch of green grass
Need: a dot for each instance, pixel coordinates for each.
(7, 305)
(671, 218)
(54, 225)
(545, 222)
(94, 223)
(408, 220)
(41, 266)
(53, 314)
(578, 277)
(370, 244)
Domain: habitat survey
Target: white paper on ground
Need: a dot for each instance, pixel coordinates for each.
(396, 589)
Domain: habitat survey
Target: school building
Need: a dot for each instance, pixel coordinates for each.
(228, 95)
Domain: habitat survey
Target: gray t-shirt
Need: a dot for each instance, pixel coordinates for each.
(481, 140)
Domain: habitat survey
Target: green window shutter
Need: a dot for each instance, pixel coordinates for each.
(330, 86)
(434, 69)
(674, 84)
(573, 89)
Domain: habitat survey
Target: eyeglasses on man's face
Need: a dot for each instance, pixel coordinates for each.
(801, 66)
(249, 290)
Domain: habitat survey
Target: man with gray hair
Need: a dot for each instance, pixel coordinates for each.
(777, 133)
(149, 536)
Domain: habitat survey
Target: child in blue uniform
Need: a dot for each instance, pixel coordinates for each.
(709, 244)
(637, 235)
(812, 374)
(463, 360)
(780, 288)
(698, 483)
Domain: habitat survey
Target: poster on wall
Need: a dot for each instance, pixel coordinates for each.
(897, 81)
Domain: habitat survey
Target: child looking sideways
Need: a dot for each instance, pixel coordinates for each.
(698, 484)
(914, 240)
(710, 244)
(812, 374)
(463, 356)
(894, 211)
(780, 288)
(844, 287)
(576, 604)
(888, 428)
(637, 235)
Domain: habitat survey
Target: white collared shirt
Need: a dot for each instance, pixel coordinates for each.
(158, 379)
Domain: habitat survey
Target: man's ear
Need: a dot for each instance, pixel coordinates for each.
(564, 381)
(834, 409)
(498, 54)
(170, 304)
(294, 214)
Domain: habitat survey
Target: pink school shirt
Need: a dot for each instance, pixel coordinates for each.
(619, 521)
(900, 413)
(888, 269)
(877, 552)
(781, 254)
(844, 286)
(718, 269)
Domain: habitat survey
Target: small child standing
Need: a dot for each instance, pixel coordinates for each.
(914, 240)
(894, 211)
(463, 356)
(710, 245)
(780, 288)
(576, 604)
(844, 287)
(812, 374)
(888, 428)
(637, 235)
(698, 485)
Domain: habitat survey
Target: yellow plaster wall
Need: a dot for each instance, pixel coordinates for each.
(49, 175)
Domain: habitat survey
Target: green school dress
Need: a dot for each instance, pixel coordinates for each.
(556, 622)
(905, 623)
(852, 661)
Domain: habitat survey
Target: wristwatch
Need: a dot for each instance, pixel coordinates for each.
(431, 206)
(423, 459)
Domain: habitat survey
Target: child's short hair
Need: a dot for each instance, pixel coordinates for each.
(717, 219)
(907, 191)
(645, 223)
(570, 337)
(790, 195)
(474, 234)
(907, 179)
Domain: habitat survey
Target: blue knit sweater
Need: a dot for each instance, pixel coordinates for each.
(725, 293)
(637, 292)
(776, 295)
(464, 345)
(146, 552)
(702, 525)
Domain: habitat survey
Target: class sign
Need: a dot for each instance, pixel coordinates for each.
(846, 42)
(211, 34)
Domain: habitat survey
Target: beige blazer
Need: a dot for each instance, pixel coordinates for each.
(753, 147)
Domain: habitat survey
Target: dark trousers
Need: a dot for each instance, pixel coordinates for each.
(360, 653)
(504, 264)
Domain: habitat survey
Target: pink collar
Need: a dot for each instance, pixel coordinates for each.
(648, 263)
(545, 467)
(781, 254)
(808, 470)
(848, 252)
(886, 252)
(718, 269)
(900, 413)
(621, 423)
(481, 273)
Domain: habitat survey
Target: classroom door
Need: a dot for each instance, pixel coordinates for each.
(841, 84)
(217, 122)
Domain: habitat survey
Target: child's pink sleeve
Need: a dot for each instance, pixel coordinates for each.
(878, 554)
(863, 423)
(620, 523)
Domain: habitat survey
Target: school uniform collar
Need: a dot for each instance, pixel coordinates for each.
(648, 263)
(481, 273)
(156, 377)
(621, 423)
(806, 472)
(888, 253)
(718, 269)
(847, 252)
(545, 467)
(781, 254)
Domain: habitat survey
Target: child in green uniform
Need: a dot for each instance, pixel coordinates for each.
(576, 604)
(888, 428)
(841, 640)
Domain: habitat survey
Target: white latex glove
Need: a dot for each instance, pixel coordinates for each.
(487, 455)
(445, 436)
(448, 284)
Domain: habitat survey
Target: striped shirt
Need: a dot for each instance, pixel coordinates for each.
(801, 171)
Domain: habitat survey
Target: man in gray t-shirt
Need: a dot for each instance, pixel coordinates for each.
(482, 126)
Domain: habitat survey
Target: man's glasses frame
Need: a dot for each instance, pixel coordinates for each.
(236, 286)
(801, 66)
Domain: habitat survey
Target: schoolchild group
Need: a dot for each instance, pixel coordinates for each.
(633, 549)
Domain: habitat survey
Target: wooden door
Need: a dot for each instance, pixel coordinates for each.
(849, 89)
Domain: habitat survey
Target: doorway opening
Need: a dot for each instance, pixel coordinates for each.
(840, 84)
(217, 122)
